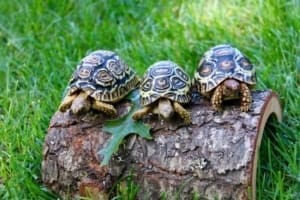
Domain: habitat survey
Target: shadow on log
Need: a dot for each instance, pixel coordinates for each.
(214, 157)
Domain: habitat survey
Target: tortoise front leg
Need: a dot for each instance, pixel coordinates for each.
(217, 97)
(141, 112)
(67, 102)
(183, 113)
(245, 97)
(104, 107)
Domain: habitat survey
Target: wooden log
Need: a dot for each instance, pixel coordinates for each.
(215, 157)
(71, 164)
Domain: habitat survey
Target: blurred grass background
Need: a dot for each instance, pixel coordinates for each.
(42, 41)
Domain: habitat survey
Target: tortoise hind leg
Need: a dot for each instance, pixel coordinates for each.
(81, 103)
(67, 102)
(141, 112)
(104, 107)
(245, 98)
(183, 113)
(216, 99)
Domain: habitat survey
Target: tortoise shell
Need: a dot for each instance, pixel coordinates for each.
(165, 79)
(222, 62)
(104, 76)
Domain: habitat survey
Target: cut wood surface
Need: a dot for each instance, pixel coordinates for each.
(214, 157)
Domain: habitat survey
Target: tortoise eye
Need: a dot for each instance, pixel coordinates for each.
(205, 69)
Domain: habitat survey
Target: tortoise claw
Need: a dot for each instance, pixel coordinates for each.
(245, 108)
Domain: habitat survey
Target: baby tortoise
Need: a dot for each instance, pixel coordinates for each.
(164, 87)
(101, 78)
(224, 73)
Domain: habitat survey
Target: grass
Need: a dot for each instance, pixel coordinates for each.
(42, 41)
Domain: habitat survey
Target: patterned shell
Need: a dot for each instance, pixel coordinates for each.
(222, 62)
(165, 79)
(104, 76)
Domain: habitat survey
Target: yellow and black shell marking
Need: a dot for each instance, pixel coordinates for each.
(222, 62)
(104, 76)
(165, 79)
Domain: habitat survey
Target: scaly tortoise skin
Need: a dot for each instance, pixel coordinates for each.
(164, 87)
(101, 78)
(225, 73)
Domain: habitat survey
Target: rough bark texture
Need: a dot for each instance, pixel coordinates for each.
(214, 157)
(71, 164)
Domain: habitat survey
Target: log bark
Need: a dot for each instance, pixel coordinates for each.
(214, 157)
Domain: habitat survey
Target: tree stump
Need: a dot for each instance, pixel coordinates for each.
(215, 157)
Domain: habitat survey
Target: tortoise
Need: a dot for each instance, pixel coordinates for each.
(101, 79)
(165, 86)
(224, 73)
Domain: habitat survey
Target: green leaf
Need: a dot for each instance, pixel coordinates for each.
(120, 128)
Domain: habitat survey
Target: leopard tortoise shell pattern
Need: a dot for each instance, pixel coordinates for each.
(222, 62)
(165, 79)
(104, 76)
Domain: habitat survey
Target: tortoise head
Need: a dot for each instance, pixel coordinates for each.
(231, 84)
(165, 108)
